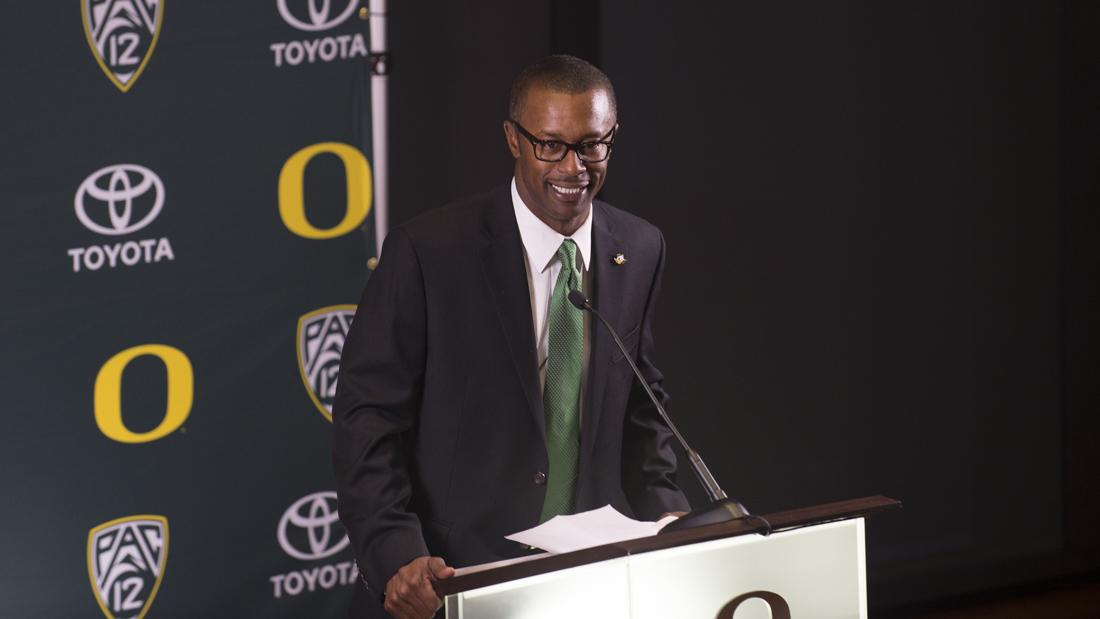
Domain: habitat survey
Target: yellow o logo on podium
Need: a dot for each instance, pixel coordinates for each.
(108, 393)
(292, 203)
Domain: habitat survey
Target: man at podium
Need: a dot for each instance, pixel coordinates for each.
(474, 400)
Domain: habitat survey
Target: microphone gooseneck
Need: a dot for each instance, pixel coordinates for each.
(721, 508)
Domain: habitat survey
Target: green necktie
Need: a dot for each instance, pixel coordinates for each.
(562, 390)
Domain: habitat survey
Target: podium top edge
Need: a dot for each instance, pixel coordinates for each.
(784, 520)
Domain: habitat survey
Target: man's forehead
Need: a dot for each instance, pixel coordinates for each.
(549, 110)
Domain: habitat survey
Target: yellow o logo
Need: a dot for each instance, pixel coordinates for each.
(292, 203)
(108, 393)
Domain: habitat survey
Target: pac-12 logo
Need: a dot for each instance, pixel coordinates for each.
(126, 559)
(320, 339)
(122, 35)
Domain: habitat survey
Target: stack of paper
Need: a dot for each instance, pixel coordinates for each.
(587, 529)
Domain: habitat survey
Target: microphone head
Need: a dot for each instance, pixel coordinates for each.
(579, 301)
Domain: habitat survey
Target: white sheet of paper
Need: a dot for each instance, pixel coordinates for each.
(587, 529)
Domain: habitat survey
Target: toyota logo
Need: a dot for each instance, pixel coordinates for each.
(116, 195)
(319, 14)
(310, 528)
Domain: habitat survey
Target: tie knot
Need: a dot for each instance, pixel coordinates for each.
(567, 253)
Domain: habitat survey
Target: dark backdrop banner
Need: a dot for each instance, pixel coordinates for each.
(187, 217)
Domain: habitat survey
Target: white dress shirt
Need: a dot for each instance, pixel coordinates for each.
(540, 245)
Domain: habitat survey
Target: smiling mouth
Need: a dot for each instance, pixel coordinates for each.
(569, 191)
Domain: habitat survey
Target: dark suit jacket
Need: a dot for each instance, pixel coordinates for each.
(438, 420)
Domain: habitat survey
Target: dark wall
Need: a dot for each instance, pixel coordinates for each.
(865, 291)
(1080, 130)
(453, 64)
(861, 204)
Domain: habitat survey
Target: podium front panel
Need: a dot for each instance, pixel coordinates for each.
(815, 571)
(592, 590)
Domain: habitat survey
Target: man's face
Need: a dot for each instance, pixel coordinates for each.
(560, 194)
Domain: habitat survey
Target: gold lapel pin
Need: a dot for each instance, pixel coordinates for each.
(619, 259)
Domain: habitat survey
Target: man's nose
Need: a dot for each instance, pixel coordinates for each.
(572, 163)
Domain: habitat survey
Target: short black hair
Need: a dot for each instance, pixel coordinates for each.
(560, 73)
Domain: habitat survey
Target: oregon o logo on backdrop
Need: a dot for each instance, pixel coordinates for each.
(292, 207)
(122, 35)
(320, 342)
(108, 393)
(316, 525)
(121, 198)
(126, 559)
(319, 14)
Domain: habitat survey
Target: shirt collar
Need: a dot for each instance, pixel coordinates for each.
(541, 242)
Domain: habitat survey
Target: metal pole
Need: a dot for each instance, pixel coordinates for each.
(379, 119)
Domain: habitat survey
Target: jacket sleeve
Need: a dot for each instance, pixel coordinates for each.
(377, 401)
(649, 462)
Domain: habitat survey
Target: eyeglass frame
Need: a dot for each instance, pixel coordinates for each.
(608, 139)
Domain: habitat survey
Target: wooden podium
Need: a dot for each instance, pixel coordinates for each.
(811, 565)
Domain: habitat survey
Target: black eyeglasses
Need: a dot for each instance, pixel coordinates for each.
(553, 151)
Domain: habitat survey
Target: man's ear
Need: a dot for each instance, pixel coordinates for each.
(511, 138)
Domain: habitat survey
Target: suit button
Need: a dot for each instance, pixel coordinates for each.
(540, 478)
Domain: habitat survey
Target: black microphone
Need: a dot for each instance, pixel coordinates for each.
(721, 508)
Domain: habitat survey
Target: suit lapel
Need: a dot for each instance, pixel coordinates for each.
(608, 290)
(503, 265)
(505, 273)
